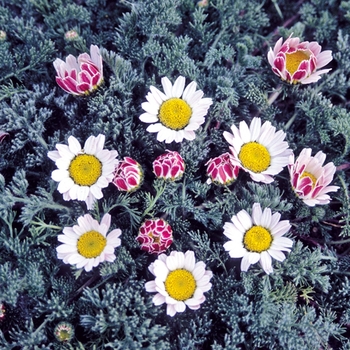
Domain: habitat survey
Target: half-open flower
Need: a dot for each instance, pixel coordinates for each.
(82, 173)
(222, 170)
(128, 175)
(169, 166)
(298, 62)
(155, 236)
(179, 281)
(259, 149)
(87, 244)
(176, 113)
(257, 238)
(310, 179)
(80, 76)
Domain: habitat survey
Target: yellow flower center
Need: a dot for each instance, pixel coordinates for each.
(294, 59)
(310, 176)
(64, 335)
(257, 239)
(91, 244)
(85, 169)
(175, 113)
(180, 284)
(155, 238)
(255, 157)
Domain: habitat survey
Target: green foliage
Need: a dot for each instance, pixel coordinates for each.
(222, 45)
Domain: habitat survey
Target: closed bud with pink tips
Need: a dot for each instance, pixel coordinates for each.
(128, 175)
(80, 76)
(155, 236)
(169, 166)
(222, 170)
(310, 179)
(298, 62)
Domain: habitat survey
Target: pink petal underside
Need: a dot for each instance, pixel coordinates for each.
(299, 75)
(279, 63)
(68, 85)
(84, 77)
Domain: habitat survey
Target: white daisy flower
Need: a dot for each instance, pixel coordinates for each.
(87, 244)
(259, 149)
(179, 281)
(82, 173)
(176, 113)
(257, 238)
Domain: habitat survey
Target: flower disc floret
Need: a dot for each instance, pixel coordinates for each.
(83, 172)
(91, 244)
(254, 157)
(180, 281)
(175, 114)
(310, 179)
(85, 169)
(298, 62)
(87, 244)
(80, 76)
(258, 149)
(257, 237)
(180, 284)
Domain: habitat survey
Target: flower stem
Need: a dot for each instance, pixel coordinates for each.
(160, 190)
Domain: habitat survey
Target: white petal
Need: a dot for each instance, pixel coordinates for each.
(266, 262)
(190, 261)
(150, 286)
(178, 87)
(74, 145)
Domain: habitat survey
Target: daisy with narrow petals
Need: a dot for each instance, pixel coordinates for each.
(259, 149)
(87, 244)
(83, 172)
(310, 179)
(179, 281)
(257, 238)
(176, 113)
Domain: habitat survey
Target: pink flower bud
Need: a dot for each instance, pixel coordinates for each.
(71, 35)
(169, 166)
(222, 170)
(80, 76)
(128, 175)
(155, 236)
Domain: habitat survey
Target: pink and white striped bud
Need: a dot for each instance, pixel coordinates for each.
(80, 76)
(128, 175)
(169, 166)
(155, 236)
(222, 170)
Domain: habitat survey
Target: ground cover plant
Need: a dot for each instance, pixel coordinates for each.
(174, 174)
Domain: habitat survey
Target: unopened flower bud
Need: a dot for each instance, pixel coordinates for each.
(128, 175)
(169, 166)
